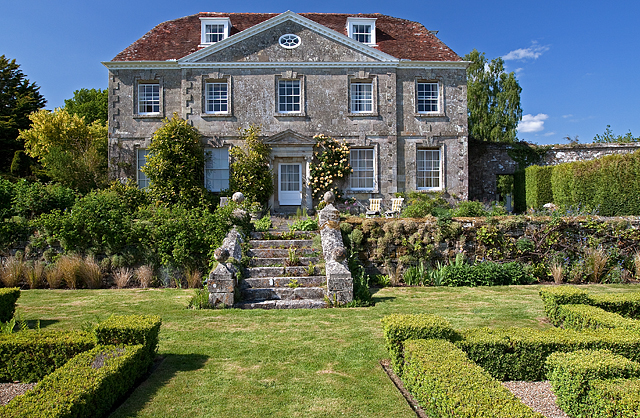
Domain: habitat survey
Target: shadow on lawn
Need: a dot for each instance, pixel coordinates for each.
(163, 370)
(41, 323)
(376, 299)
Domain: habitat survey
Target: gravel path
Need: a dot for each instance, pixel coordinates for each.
(9, 391)
(538, 396)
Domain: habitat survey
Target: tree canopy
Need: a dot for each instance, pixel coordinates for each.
(90, 103)
(608, 137)
(18, 98)
(493, 98)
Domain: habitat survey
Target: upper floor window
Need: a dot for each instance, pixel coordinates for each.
(427, 97)
(361, 97)
(362, 30)
(289, 96)
(216, 169)
(148, 98)
(428, 169)
(214, 29)
(216, 98)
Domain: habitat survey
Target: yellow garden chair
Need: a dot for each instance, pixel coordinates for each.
(374, 208)
(396, 207)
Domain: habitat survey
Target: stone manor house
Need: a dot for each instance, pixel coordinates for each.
(387, 86)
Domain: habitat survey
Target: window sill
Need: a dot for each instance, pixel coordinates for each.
(430, 115)
(149, 116)
(290, 115)
(363, 115)
(216, 115)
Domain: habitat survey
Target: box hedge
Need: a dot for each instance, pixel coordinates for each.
(130, 330)
(611, 398)
(30, 355)
(447, 384)
(625, 304)
(554, 296)
(87, 386)
(579, 317)
(538, 186)
(8, 299)
(571, 375)
(398, 328)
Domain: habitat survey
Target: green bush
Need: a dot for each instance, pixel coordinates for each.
(554, 296)
(538, 189)
(612, 398)
(447, 384)
(398, 328)
(8, 299)
(487, 273)
(579, 317)
(518, 353)
(130, 330)
(469, 208)
(571, 375)
(625, 304)
(422, 204)
(30, 355)
(88, 386)
(304, 225)
(33, 199)
(250, 172)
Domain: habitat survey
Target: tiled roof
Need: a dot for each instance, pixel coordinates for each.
(178, 38)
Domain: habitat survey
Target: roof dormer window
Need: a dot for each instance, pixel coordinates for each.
(362, 29)
(214, 29)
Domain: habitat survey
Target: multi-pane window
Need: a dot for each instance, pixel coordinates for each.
(288, 96)
(143, 181)
(361, 161)
(217, 98)
(362, 29)
(427, 97)
(361, 33)
(216, 169)
(428, 164)
(361, 97)
(290, 177)
(213, 33)
(148, 99)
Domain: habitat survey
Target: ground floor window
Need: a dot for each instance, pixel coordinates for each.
(216, 169)
(428, 166)
(362, 177)
(143, 181)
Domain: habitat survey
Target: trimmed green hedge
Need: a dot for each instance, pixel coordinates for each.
(129, 330)
(554, 296)
(571, 375)
(30, 355)
(447, 384)
(613, 398)
(518, 353)
(579, 317)
(625, 304)
(87, 386)
(398, 328)
(8, 299)
(538, 186)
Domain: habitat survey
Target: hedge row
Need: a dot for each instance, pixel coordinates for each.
(579, 317)
(87, 386)
(30, 355)
(625, 304)
(538, 186)
(578, 380)
(131, 330)
(8, 299)
(447, 384)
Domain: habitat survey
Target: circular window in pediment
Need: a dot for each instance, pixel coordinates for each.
(290, 41)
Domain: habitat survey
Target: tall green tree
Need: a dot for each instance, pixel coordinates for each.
(250, 173)
(493, 99)
(91, 103)
(18, 98)
(175, 164)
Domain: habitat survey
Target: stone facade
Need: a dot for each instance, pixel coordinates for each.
(325, 64)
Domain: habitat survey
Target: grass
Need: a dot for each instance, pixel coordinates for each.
(288, 363)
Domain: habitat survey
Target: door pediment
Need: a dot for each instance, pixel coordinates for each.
(289, 137)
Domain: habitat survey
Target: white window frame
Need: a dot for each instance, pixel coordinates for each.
(221, 155)
(155, 101)
(352, 30)
(432, 84)
(355, 100)
(358, 168)
(293, 103)
(211, 98)
(421, 155)
(141, 179)
(221, 21)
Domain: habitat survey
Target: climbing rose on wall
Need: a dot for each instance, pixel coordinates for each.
(330, 167)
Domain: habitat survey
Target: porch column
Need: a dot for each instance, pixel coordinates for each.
(307, 187)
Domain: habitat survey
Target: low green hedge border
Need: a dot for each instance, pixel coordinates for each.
(30, 355)
(580, 317)
(398, 328)
(87, 386)
(572, 374)
(553, 297)
(614, 398)
(130, 330)
(447, 384)
(625, 304)
(8, 299)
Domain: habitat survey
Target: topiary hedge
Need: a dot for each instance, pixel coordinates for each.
(130, 330)
(538, 186)
(553, 297)
(8, 299)
(447, 384)
(579, 317)
(612, 398)
(625, 304)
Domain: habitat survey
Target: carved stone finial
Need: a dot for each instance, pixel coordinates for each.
(221, 255)
(329, 197)
(238, 197)
(339, 254)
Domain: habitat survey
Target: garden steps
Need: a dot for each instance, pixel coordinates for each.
(317, 281)
(281, 252)
(281, 243)
(279, 261)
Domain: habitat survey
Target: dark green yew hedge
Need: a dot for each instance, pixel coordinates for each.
(8, 299)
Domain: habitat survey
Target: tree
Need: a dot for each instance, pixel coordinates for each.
(92, 104)
(493, 100)
(18, 98)
(175, 164)
(608, 137)
(70, 151)
(250, 173)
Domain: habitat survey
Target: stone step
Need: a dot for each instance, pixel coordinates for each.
(281, 243)
(293, 272)
(281, 261)
(281, 252)
(282, 304)
(307, 281)
(283, 293)
(286, 233)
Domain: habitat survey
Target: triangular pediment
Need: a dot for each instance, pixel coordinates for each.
(289, 137)
(259, 43)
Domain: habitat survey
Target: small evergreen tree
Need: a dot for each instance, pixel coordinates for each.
(250, 172)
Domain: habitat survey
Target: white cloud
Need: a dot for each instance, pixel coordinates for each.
(531, 123)
(567, 116)
(533, 52)
(549, 134)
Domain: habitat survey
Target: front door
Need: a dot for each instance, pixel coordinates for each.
(290, 184)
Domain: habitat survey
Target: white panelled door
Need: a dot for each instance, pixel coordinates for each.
(290, 184)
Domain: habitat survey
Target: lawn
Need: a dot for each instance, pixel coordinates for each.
(297, 363)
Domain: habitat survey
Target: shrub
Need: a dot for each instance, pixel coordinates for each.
(304, 225)
(144, 275)
(30, 355)
(70, 266)
(625, 304)
(122, 276)
(194, 278)
(579, 317)
(447, 384)
(553, 297)
(331, 166)
(33, 199)
(250, 173)
(34, 273)
(538, 186)
(8, 299)
(129, 330)
(263, 224)
(90, 273)
(611, 398)
(487, 273)
(469, 208)
(12, 271)
(54, 276)
(422, 204)
(87, 386)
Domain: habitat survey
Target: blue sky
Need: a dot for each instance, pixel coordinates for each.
(577, 61)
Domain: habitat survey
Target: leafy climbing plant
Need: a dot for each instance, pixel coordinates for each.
(330, 167)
